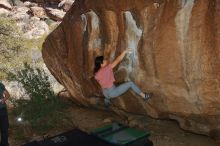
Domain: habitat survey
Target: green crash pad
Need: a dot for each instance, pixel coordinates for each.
(121, 135)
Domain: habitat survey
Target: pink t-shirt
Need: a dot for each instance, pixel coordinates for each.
(105, 76)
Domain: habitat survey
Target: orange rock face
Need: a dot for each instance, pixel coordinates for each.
(175, 55)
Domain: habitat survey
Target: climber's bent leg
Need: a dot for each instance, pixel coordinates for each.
(121, 89)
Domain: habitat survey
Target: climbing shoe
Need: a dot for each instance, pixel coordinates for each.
(147, 96)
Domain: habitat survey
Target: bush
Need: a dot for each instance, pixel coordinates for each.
(34, 81)
(11, 45)
(14, 48)
(10, 40)
(43, 110)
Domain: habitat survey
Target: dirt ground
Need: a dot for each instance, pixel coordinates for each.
(163, 133)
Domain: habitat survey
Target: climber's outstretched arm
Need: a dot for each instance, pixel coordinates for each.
(120, 58)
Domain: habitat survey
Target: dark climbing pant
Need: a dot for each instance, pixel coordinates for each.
(4, 127)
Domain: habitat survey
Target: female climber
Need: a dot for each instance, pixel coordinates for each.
(104, 75)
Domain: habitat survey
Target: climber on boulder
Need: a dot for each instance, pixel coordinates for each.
(104, 75)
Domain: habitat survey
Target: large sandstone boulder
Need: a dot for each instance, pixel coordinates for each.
(31, 27)
(38, 12)
(30, 4)
(4, 12)
(45, 2)
(20, 13)
(5, 7)
(175, 55)
(55, 14)
(34, 28)
(5, 4)
(66, 4)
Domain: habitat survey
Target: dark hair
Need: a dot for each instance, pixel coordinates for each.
(98, 62)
